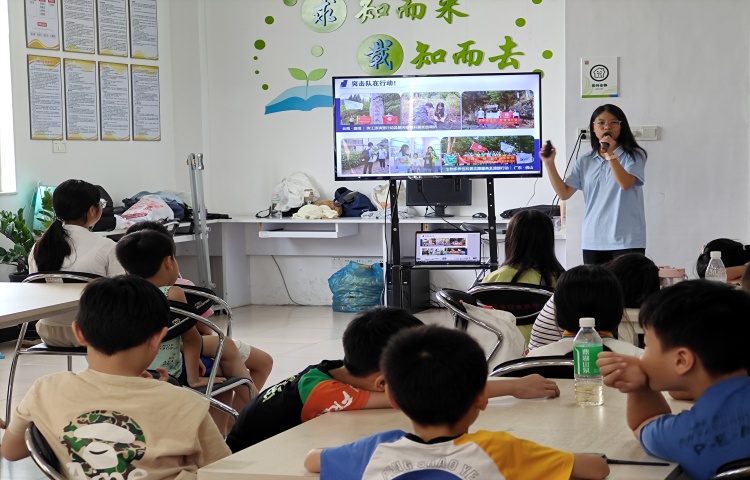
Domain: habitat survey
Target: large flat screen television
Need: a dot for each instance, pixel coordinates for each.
(479, 125)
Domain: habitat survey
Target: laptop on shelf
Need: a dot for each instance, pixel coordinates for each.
(448, 247)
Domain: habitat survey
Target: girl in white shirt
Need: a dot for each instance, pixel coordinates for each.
(68, 245)
(588, 291)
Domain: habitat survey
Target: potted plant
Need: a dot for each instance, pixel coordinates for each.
(13, 227)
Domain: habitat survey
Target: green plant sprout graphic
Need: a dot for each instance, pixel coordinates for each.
(299, 74)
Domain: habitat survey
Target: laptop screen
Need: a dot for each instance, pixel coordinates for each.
(452, 247)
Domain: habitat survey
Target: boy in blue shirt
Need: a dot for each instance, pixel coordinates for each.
(696, 335)
(438, 378)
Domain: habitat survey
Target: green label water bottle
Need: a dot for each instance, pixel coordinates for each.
(588, 380)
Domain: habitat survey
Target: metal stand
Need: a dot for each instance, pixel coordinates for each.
(200, 229)
(492, 224)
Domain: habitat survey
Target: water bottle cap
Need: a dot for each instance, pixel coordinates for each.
(715, 254)
(587, 322)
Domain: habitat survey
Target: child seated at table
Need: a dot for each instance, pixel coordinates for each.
(696, 339)
(107, 421)
(587, 291)
(258, 362)
(438, 378)
(150, 255)
(353, 383)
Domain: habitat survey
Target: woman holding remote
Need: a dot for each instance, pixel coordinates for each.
(611, 176)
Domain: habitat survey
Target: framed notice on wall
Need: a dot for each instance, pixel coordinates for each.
(78, 26)
(146, 116)
(113, 27)
(114, 101)
(42, 28)
(45, 98)
(144, 38)
(80, 100)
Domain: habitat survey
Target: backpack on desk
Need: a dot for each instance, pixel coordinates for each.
(353, 204)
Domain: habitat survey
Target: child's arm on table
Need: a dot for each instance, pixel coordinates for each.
(624, 373)
(589, 466)
(312, 460)
(530, 386)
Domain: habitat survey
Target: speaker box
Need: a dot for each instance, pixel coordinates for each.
(415, 290)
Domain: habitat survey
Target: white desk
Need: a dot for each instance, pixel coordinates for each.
(23, 302)
(558, 423)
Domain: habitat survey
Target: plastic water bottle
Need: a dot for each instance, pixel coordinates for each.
(715, 270)
(588, 380)
(275, 212)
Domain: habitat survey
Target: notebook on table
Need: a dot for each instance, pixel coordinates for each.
(448, 247)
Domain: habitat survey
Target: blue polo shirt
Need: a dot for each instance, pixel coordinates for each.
(615, 219)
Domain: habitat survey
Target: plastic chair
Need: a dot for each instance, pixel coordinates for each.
(183, 317)
(42, 348)
(451, 299)
(523, 300)
(42, 453)
(737, 469)
(558, 366)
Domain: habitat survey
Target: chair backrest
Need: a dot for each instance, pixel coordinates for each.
(738, 469)
(451, 299)
(523, 300)
(42, 453)
(60, 277)
(202, 299)
(179, 322)
(558, 366)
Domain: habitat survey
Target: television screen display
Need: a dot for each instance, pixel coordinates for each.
(479, 125)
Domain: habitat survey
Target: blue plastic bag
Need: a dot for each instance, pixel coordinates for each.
(356, 287)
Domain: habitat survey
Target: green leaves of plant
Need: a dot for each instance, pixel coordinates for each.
(317, 74)
(298, 74)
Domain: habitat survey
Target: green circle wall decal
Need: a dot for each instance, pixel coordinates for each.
(269, 20)
(540, 71)
(323, 17)
(380, 55)
(520, 22)
(255, 58)
(547, 54)
(536, 2)
(264, 87)
(257, 72)
(290, 3)
(260, 44)
(317, 51)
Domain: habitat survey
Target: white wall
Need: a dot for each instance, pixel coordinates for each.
(122, 168)
(684, 66)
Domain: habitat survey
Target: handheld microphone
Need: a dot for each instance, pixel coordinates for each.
(604, 146)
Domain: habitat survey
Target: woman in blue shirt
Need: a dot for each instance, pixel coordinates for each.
(611, 176)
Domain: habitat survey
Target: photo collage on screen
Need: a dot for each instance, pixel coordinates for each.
(441, 246)
(423, 133)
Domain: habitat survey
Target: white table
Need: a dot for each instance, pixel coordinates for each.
(558, 423)
(23, 302)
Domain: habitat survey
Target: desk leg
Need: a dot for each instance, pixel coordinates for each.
(235, 264)
(397, 286)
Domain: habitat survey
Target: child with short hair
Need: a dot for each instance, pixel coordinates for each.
(108, 421)
(438, 378)
(587, 291)
(696, 342)
(354, 383)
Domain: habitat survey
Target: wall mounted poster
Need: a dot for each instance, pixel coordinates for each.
(45, 98)
(80, 100)
(144, 38)
(78, 26)
(599, 77)
(114, 101)
(146, 117)
(42, 29)
(113, 27)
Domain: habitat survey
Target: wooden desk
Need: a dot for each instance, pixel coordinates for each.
(22, 302)
(558, 423)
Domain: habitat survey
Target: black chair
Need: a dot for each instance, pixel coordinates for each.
(452, 300)
(523, 300)
(42, 348)
(557, 366)
(41, 453)
(183, 317)
(738, 469)
(204, 299)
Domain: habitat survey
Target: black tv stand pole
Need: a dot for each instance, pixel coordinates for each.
(396, 267)
(395, 246)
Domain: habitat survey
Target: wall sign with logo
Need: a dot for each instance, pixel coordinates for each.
(599, 77)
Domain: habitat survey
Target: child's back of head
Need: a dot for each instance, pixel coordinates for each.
(638, 276)
(733, 254)
(709, 318)
(120, 313)
(148, 225)
(434, 374)
(142, 253)
(588, 291)
(367, 335)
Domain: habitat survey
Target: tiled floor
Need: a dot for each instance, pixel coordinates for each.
(294, 336)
